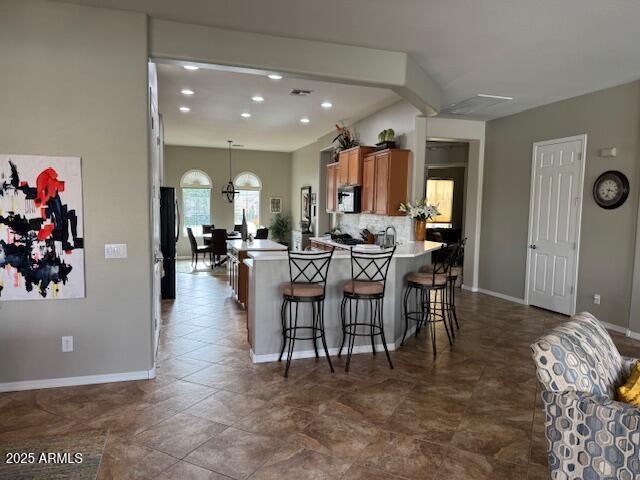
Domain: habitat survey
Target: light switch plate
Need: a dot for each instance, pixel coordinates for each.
(67, 344)
(115, 250)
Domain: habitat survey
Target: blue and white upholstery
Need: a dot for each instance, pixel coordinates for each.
(591, 436)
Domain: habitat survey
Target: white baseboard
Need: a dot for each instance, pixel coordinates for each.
(608, 326)
(333, 351)
(634, 335)
(469, 288)
(500, 295)
(74, 381)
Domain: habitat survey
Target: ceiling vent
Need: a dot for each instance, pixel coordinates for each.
(474, 104)
(297, 92)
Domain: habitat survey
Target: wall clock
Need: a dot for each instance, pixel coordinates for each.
(611, 189)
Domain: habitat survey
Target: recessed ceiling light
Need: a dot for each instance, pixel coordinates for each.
(257, 99)
(191, 67)
(245, 115)
(185, 109)
(187, 91)
(304, 120)
(275, 76)
(326, 104)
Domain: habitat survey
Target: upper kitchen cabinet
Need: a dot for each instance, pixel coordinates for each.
(350, 165)
(385, 179)
(332, 187)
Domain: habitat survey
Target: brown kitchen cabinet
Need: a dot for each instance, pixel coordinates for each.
(332, 187)
(384, 181)
(367, 197)
(350, 165)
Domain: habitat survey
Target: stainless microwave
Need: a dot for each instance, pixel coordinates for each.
(349, 199)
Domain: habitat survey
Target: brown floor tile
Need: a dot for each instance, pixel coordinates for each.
(504, 440)
(235, 453)
(124, 460)
(339, 432)
(275, 420)
(188, 471)
(299, 464)
(404, 456)
(179, 434)
(225, 407)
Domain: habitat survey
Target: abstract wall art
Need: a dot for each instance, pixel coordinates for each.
(41, 228)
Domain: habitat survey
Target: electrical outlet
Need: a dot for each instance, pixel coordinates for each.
(115, 250)
(67, 344)
(596, 298)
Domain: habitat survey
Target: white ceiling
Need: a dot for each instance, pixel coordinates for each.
(536, 51)
(220, 97)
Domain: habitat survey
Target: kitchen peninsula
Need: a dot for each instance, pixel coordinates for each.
(269, 270)
(237, 251)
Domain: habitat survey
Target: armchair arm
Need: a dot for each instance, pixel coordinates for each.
(627, 365)
(600, 434)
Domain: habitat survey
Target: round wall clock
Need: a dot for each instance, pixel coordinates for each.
(611, 189)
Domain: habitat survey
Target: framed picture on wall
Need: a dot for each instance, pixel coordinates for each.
(305, 208)
(275, 205)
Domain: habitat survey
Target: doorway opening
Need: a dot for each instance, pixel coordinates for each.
(445, 186)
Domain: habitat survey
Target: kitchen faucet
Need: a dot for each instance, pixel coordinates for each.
(385, 243)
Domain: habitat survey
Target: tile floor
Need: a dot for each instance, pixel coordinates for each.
(470, 413)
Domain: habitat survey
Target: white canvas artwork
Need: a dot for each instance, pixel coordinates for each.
(41, 228)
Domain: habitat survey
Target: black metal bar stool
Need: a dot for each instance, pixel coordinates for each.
(308, 282)
(456, 271)
(430, 289)
(367, 284)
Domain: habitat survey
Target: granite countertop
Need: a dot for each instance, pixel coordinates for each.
(406, 250)
(256, 245)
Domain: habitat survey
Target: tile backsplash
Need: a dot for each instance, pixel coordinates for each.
(354, 223)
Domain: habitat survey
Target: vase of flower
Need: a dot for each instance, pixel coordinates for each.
(420, 230)
(420, 212)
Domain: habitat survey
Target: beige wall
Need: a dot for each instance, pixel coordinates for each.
(74, 82)
(273, 168)
(610, 118)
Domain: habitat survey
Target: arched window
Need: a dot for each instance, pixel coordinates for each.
(196, 201)
(248, 198)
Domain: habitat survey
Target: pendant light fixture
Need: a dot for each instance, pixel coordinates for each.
(230, 192)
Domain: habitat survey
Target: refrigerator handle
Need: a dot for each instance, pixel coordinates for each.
(178, 220)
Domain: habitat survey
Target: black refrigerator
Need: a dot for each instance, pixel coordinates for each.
(169, 230)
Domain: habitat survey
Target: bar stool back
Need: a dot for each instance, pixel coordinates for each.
(368, 283)
(307, 284)
(430, 288)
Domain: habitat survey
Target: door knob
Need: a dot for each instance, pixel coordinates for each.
(532, 247)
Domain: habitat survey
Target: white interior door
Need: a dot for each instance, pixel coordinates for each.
(155, 149)
(554, 223)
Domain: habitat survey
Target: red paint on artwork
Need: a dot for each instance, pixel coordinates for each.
(47, 186)
(45, 231)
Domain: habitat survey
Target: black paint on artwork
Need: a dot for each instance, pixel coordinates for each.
(32, 250)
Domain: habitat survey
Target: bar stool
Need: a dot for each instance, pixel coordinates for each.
(430, 289)
(308, 282)
(367, 284)
(455, 271)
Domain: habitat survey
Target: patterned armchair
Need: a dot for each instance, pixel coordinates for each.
(590, 435)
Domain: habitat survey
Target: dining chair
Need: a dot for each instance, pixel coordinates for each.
(196, 249)
(262, 234)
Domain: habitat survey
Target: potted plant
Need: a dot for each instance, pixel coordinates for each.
(421, 212)
(280, 226)
(386, 139)
(345, 139)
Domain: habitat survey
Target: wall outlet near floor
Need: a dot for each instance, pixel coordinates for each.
(115, 250)
(67, 344)
(596, 298)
